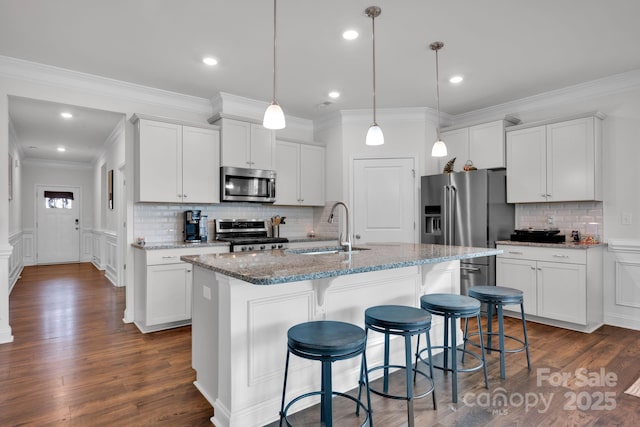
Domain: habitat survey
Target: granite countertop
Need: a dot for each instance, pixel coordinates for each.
(303, 239)
(565, 245)
(291, 265)
(178, 245)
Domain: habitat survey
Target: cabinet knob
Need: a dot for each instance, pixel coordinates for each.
(533, 268)
(357, 236)
(184, 195)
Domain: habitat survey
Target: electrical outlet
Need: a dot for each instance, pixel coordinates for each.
(626, 218)
(206, 292)
(551, 220)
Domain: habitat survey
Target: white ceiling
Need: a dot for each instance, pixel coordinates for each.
(506, 49)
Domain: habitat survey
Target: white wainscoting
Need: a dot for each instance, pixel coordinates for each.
(86, 245)
(16, 260)
(97, 243)
(111, 257)
(622, 284)
(28, 247)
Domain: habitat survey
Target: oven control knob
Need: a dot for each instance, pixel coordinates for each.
(262, 248)
(250, 248)
(280, 246)
(273, 246)
(243, 249)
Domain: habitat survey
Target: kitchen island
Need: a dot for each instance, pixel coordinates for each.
(244, 303)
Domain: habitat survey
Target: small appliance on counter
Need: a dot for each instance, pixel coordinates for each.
(192, 226)
(248, 235)
(538, 235)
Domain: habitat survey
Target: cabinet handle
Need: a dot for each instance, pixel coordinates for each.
(560, 256)
(184, 195)
(548, 195)
(515, 253)
(539, 268)
(188, 271)
(169, 256)
(543, 195)
(533, 268)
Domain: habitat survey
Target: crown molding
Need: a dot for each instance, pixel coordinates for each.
(34, 72)
(600, 87)
(57, 164)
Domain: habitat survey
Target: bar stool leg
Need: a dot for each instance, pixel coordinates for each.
(446, 341)
(526, 339)
(489, 325)
(326, 395)
(284, 387)
(503, 374)
(385, 385)
(454, 360)
(484, 360)
(407, 351)
(465, 339)
(433, 393)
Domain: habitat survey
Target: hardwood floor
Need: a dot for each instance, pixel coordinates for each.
(74, 363)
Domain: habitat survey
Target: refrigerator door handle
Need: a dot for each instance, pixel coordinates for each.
(469, 268)
(445, 214)
(452, 213)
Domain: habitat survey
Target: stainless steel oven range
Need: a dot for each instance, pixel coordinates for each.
(248, 235)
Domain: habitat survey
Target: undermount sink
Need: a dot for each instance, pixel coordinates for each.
(324, 251)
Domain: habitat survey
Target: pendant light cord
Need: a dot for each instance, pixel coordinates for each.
(436, 46)
(373, 39)
(274, 52)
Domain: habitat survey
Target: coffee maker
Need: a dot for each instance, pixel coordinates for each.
(192, 226)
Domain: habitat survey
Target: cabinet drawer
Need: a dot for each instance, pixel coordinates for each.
(172, 256)
(570, 256)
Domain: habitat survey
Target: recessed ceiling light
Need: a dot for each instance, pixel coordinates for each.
(66, 115)
(350, 35)
(456, 79)
(210, 60)
(61, 149)
(334, 94)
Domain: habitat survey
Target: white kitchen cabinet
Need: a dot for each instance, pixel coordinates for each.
(301, 174)
(176, 163)
(562, 286)
(555, 162)
(483, 144)
(246, 145)
(163, 285)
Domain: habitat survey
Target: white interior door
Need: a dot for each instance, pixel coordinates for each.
(58, 224)
(384, 195)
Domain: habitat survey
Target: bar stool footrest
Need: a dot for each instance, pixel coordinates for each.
(360, 404)
(399, 397)
(496, 334)
(442, 368)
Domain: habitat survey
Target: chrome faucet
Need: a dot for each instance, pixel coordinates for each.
(346, 242)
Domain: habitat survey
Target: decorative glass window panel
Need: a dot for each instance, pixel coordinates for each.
(58, 199)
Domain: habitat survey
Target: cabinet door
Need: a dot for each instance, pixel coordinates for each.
(168, 293)
(201, 165)
(526, 165)
(571, 160)
(457, 142)
(159, 159)
(236, 139)
(519, 274)
(486, 145)
(562, 292)
(288, 173)
(262, 146)
(312, 175)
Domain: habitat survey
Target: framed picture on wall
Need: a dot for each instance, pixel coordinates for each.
(110, 189)
(10, 168)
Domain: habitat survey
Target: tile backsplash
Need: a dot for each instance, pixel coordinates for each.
(163, 223)
(586, 217)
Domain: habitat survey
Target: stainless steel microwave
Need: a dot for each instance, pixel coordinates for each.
(247, 185)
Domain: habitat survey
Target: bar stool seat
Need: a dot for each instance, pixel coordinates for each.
(407, 322)
(499, 296)
(327, 341)
(453, 307)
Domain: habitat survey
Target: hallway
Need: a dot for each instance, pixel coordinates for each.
(74, 362)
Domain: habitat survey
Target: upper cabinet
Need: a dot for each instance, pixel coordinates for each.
(555, 162)
(300, 174)
(483, 144)
(176, 163)
(245, 144)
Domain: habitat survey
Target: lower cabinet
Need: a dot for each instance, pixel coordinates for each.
(163, 286)
(562, 287)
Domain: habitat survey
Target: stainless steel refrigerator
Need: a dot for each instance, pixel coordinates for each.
(468, 209)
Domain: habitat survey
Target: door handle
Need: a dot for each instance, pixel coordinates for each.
(357, 236)
(471, 269)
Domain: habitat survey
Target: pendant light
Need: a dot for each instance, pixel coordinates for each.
(374, 134)
(274, 116)
(439, 148)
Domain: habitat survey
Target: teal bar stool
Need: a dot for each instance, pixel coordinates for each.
(453, 307)
(327, 341)
(499, 296)
(406, 322)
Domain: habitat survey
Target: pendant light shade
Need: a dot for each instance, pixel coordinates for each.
(439, 148)
(274, 116)
(374, 134)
